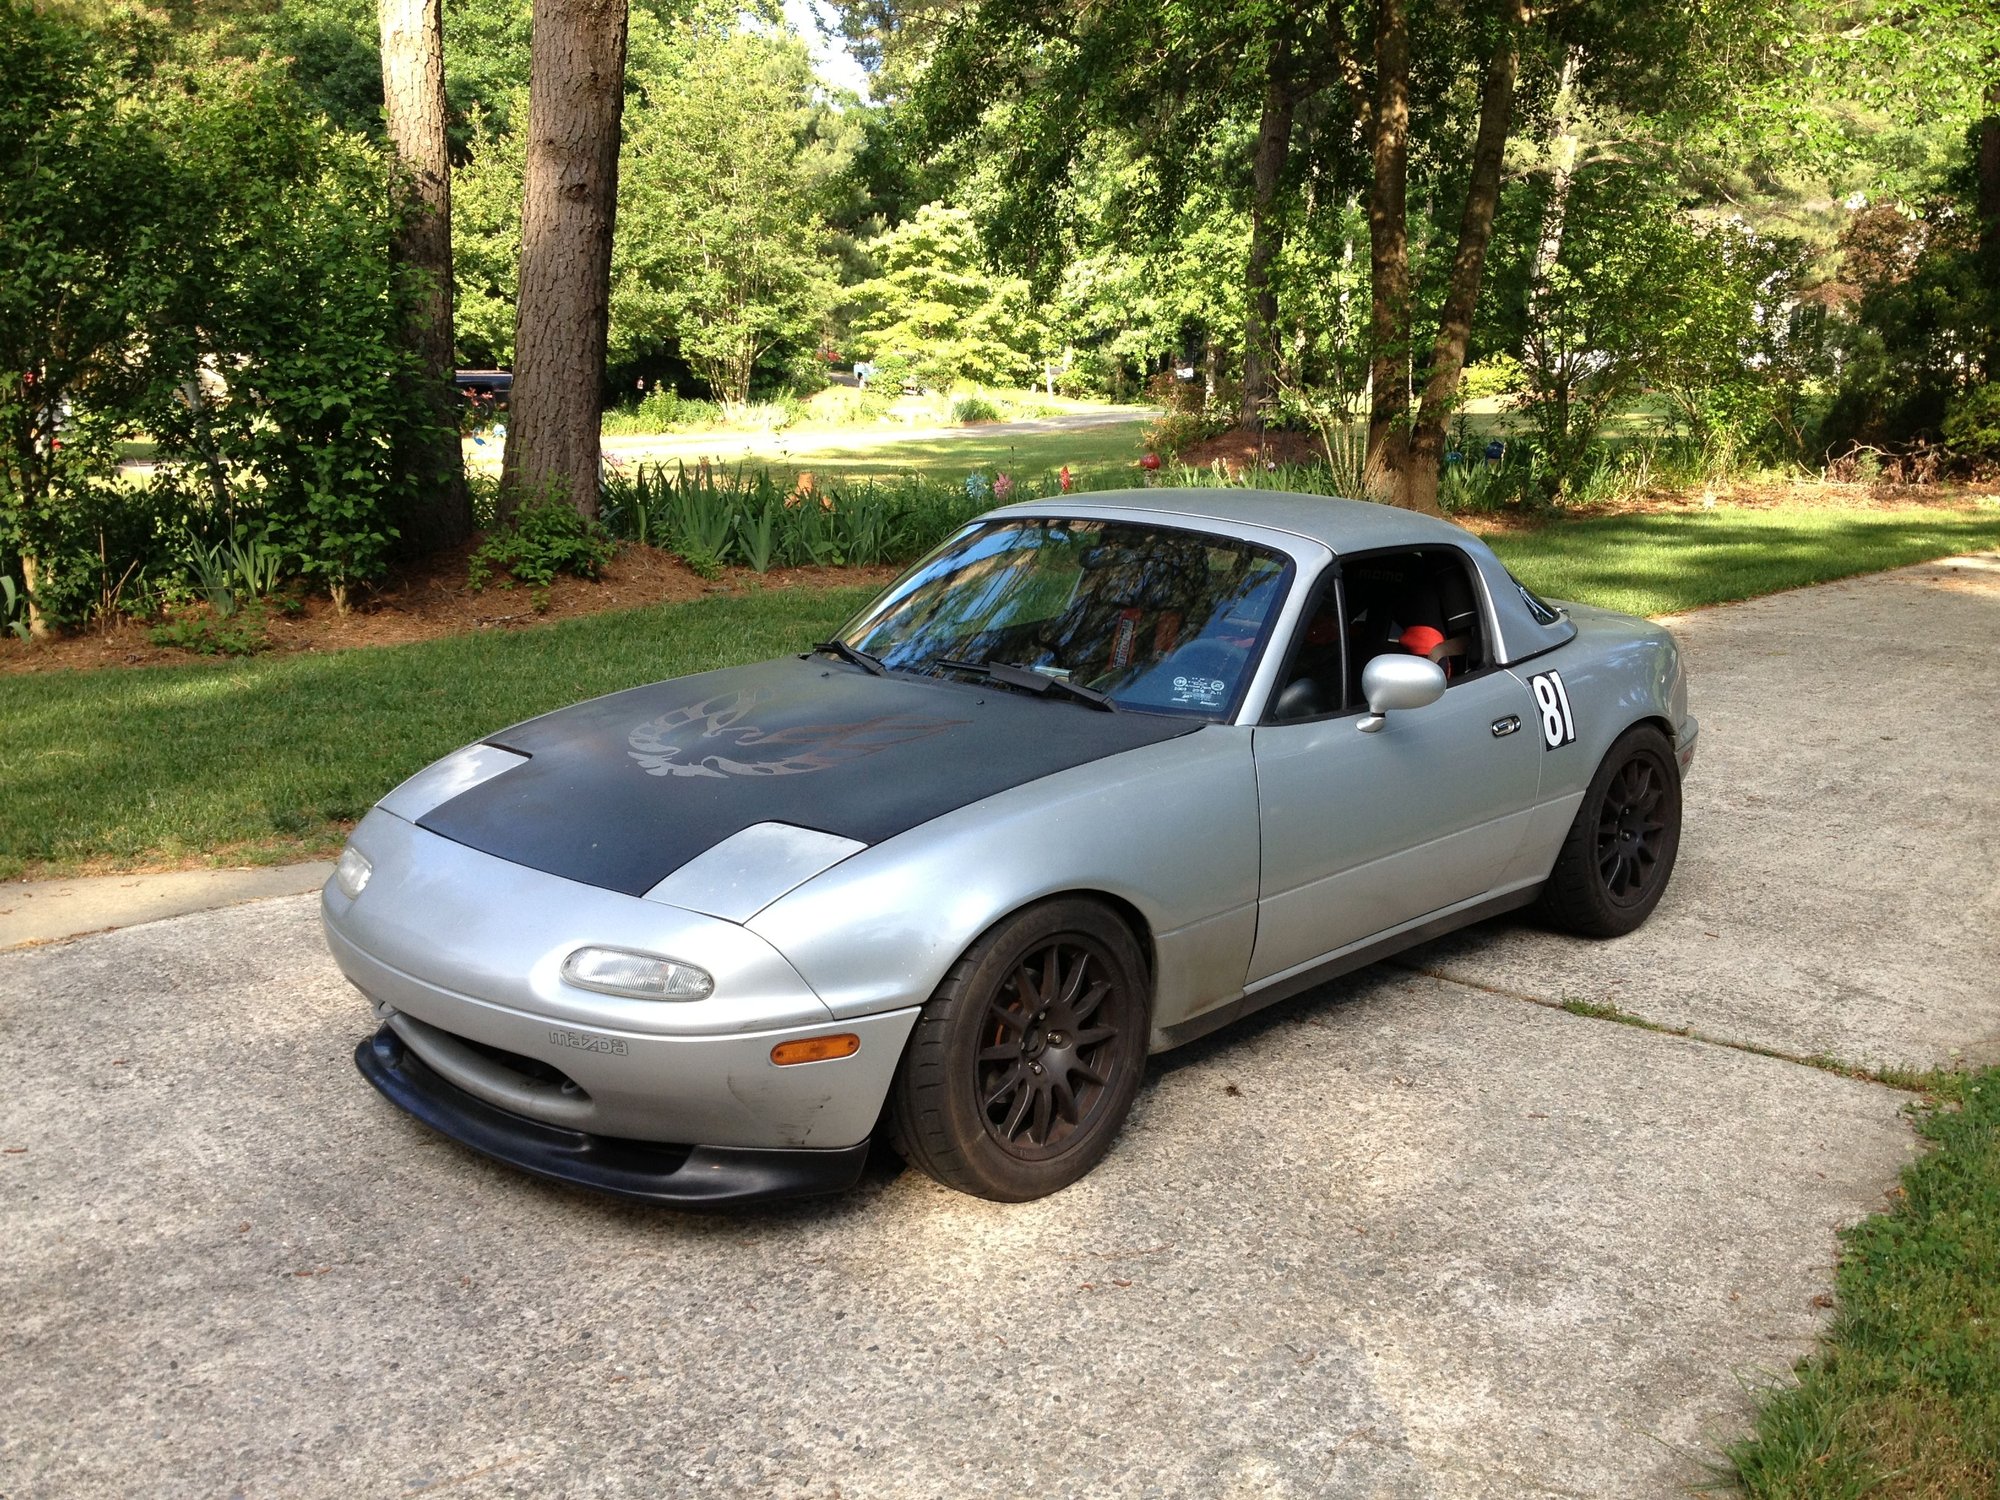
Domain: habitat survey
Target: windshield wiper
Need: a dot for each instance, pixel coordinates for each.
(1010, 674)
(869, 664)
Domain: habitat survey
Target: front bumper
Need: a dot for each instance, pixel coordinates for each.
(684, 1176)
(461, 954)
(1685, 741)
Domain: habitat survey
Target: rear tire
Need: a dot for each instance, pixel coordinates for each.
(1618, 854)
(1025, 1062)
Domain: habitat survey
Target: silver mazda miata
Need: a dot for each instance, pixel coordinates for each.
(1097, 776)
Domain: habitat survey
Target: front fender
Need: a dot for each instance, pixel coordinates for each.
(1169, 828)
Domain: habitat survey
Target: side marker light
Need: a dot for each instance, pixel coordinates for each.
(816, 1049)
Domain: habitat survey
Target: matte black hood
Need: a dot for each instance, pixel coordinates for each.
(622, 791)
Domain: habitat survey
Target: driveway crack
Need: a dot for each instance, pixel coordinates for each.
(1902, 1080)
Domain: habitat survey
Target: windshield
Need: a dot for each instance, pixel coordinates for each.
(1159, 619)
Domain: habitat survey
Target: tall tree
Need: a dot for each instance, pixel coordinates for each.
(414, 110)
(729, 165)
(1405, 446)
(576, 96)
(1267, 168)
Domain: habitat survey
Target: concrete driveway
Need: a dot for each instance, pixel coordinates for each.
(1417, 1234)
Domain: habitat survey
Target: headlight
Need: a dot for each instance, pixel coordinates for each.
(352, 873)
(643, 976)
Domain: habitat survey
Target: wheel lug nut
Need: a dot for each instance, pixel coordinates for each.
(1035, 1068)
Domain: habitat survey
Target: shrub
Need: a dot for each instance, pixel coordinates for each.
(1177, 430)
(1496, 375)
(969, 409)
(208, 632)
(714, 518)
(1972, 423)
(545, 537)
(661, 410)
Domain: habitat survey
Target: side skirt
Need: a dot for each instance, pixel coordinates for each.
(1285, 986)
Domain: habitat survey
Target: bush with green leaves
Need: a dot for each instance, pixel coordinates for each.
(208, 633)
(89, 240)
(292, 411)
(1497, 375)
(545, 537)
(241, 312)
(1972, 423)
(969, 409)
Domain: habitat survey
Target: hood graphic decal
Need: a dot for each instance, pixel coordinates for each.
(711, 738)
(622, 791)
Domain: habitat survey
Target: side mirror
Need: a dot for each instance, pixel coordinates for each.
(1397, 681)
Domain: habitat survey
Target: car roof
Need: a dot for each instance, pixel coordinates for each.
(1344, 527)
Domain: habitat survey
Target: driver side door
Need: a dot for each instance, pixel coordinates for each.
(1365, 832)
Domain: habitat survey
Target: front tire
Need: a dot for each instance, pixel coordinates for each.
(1620, 851)
(1025, 1062)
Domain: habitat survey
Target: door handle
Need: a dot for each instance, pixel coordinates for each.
(1505, 726)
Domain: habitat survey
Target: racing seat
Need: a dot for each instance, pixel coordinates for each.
(1426, 611)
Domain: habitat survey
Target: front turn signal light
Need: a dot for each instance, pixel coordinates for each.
(640, 976)
(816, 1049)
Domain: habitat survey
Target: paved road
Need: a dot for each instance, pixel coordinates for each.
(1411, 1235)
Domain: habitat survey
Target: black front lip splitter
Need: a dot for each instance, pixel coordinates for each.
(644, 1171)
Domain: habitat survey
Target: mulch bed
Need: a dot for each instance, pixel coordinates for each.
(430, 600)
(1240, 449)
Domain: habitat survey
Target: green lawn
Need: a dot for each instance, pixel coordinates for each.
(1023, 455)
(1903, 1400)
(1658, 563)
(271, 758)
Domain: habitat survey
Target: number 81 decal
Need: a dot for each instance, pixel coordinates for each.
(1552, 698)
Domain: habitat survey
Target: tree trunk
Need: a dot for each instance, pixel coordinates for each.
(1403, 454)
(31, 574)
(1267, 237)
(1562, 172)
(1988, 171)
(1418, 489)
(576, 94)
(1389, 245)
(413, 96)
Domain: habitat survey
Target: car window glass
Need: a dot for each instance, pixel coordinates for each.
(1160, 618)
(1313, 681)
(1544, 612)
(1420, 602)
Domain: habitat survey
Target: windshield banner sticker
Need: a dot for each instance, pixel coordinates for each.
(1200, 692)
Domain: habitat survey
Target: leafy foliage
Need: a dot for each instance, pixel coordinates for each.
(1972, 423)
(729, 165)
(545, 537)
(715, 518)
(931, 301)
(241, 312)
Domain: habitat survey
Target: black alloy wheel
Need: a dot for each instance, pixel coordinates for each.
(1619, 853)
(1024, 1064)
(1632, 831)
(1049, 1045)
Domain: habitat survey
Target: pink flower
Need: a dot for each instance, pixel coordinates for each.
(1002, 486)
(1067, 482)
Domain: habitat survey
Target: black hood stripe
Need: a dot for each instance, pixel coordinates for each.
(622, 791)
